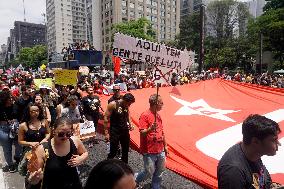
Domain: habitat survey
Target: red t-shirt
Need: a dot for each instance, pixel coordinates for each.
(152, 142)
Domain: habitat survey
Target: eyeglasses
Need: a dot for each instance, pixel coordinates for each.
(63, 134)
(116, 90)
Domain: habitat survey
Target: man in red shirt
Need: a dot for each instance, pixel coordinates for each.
(153, 145)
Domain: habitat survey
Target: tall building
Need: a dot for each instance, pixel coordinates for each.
(189, 6)
(66, 23)
(3, 54)
(256, 7)
(164, 14)
(97, 24)
(25, 34)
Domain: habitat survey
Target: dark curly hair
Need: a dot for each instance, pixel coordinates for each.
(4, 96)
(27, 116)
(259, 127)
(128, 97)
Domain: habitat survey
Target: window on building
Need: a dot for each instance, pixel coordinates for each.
(107, 5)
(124, 3)
(140, 8)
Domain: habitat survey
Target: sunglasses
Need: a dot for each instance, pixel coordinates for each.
(63, 134)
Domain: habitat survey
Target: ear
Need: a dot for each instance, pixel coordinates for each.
(255, 141)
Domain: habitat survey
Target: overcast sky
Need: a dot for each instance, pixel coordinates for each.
(12, 10)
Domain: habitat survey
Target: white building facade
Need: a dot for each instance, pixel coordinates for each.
(164, 14)
(66, 23)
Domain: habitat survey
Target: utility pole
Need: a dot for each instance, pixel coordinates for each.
(24, 10)
(260, 51)
(202, 35)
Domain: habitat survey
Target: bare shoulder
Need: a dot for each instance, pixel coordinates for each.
(77, 141)
(23, 126)
(111, 105)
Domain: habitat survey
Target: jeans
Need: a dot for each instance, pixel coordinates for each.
(154, 166)
(7, 144)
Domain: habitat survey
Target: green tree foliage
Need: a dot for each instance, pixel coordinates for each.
(273, 4)
(271, 25)
(141, 28)
(33, 57)
(189, 32)
(221, 58)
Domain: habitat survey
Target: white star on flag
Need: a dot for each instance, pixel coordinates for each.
(200, 107)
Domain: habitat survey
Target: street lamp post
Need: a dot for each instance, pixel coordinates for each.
(202, 36)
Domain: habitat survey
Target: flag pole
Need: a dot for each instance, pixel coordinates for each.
(157, 94)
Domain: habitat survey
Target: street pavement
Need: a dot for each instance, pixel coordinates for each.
(96, 154)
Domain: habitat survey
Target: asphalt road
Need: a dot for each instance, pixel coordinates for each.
(98, 153)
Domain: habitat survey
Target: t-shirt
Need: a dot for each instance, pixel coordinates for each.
(114, 98)
(91, 105)
(235, 171)
(153, 142)
(8, 113)
(72, 114)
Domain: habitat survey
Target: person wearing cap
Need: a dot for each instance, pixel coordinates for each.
(97, 87)
(116, 94)
(117, 113)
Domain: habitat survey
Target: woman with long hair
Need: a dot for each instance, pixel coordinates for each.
(57, 161)
(49, 98)
(34, 130)
(38, 101)
(8, 119)
(62, 103)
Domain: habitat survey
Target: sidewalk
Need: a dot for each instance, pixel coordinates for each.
(9, 180)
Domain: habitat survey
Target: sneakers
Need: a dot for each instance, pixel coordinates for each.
(10, 168)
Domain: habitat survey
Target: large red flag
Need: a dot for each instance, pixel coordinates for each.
(205, 119)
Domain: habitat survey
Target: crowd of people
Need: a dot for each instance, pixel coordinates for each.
(41, 122)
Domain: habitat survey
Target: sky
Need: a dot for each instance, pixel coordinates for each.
(12, 10)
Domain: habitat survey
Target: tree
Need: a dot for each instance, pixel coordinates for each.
(33, 57)
(189, 32)
(273, 4)
(141, 28)
(271, 25)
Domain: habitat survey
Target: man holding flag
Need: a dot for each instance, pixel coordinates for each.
(153, 144)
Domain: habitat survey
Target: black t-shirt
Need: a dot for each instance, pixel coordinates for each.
(114, 98)
(8, 113)
(91, 105)
(235, 171)
(119, 118)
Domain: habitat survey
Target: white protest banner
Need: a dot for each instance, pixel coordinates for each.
(87, 129)
(84, 70)
(108, 89)
(164, 59)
